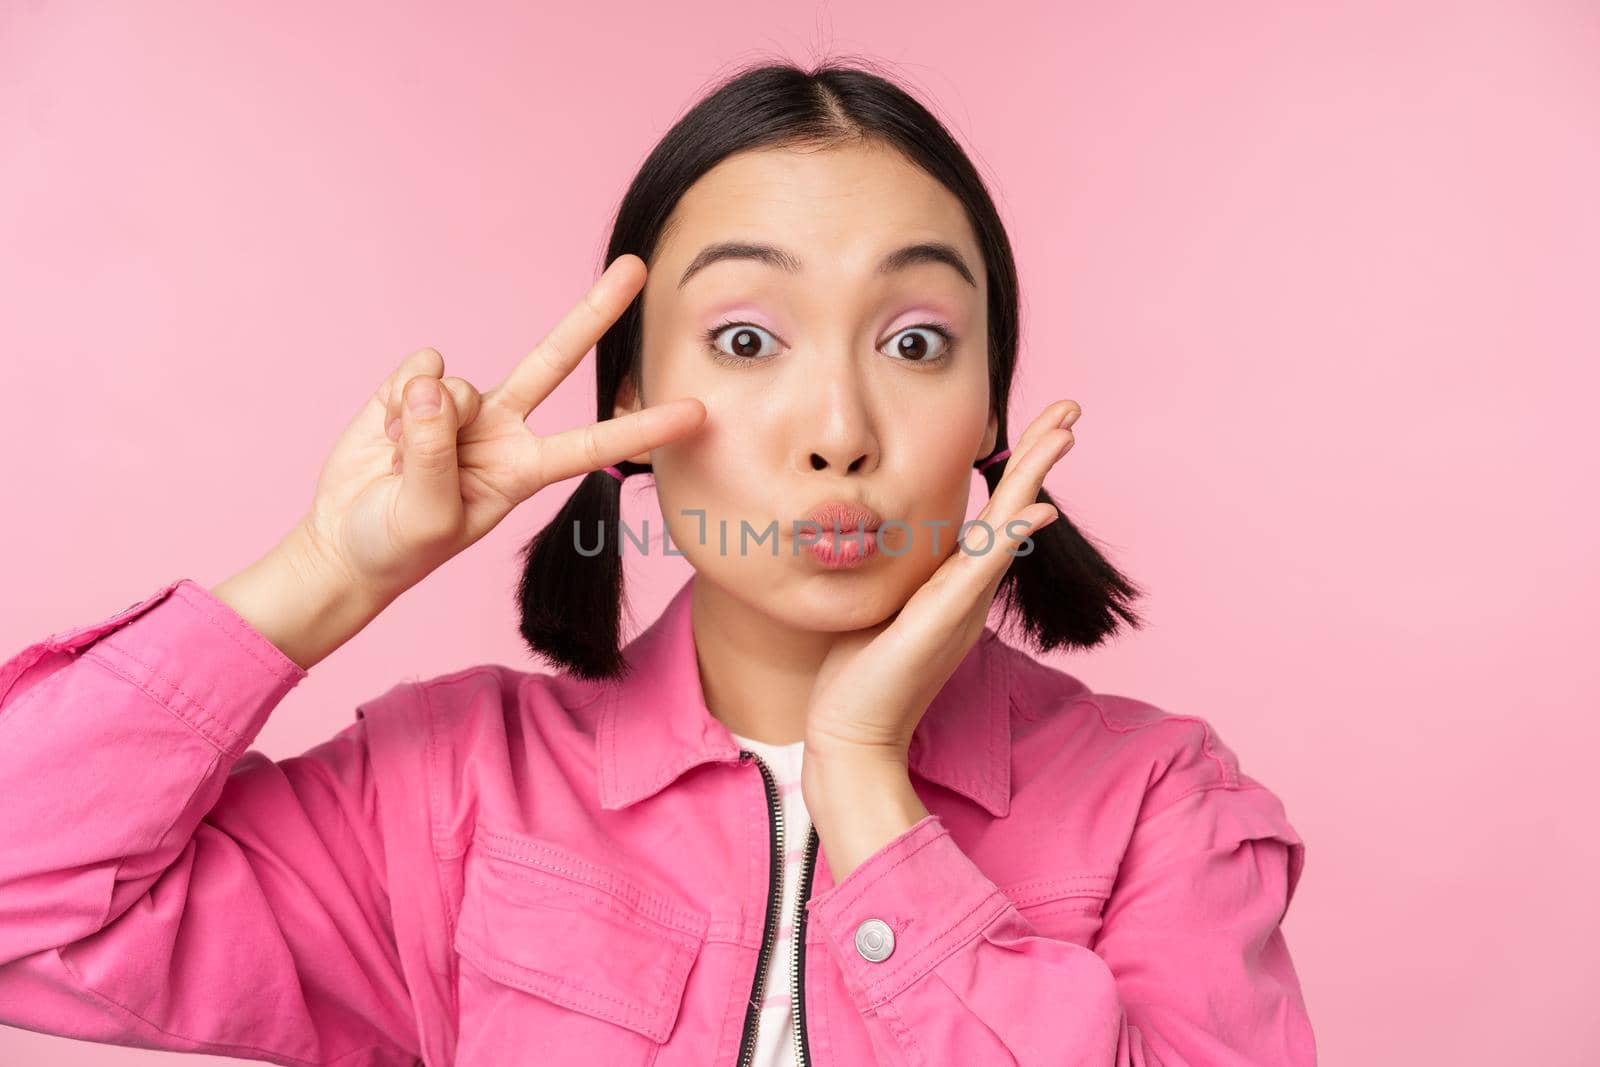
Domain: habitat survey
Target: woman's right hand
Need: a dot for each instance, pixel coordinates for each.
(403, 492)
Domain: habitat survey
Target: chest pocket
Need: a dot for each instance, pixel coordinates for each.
(1067, 908)
(566, 960)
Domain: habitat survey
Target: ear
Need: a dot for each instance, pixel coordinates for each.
(627, 403)
(990, 436)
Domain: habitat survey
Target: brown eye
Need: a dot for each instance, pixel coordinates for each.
(737, 342)
(746, 343)
(920, 344)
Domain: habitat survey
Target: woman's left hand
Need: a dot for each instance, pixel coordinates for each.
(876, 683)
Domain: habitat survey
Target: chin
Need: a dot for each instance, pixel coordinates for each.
(840, 601)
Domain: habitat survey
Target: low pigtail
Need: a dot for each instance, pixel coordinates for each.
(1064, 593)
(571, 601)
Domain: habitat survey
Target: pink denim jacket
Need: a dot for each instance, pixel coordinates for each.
(499, 867)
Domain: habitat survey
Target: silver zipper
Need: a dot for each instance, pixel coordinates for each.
(752, 1017)
(797, 999)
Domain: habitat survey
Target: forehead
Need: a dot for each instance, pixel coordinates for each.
(846, 203)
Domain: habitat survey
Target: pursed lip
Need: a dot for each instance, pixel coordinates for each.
(845, 515)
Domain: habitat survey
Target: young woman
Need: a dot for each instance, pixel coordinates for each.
(817, 813)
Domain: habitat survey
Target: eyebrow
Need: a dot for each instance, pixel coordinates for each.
(899, 259)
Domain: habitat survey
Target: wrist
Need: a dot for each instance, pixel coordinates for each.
(838, 782)
(298, 598)
(857, 808)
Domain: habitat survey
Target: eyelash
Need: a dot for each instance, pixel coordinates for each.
(942, 329)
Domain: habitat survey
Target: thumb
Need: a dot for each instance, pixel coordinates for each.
(429, 502)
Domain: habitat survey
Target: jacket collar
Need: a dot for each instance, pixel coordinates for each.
(654, 724)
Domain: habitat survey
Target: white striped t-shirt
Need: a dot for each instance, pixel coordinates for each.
(775, 1032)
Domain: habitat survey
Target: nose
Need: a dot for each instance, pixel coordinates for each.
(821, 462)
(835, 417)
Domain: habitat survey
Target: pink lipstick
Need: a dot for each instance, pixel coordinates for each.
(845, 533)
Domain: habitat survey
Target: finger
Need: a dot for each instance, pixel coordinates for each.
(538, 373)
(1058, 417)
(422, 361)
(959, 594)
(964, 587)
(1060, 413)
(1025, 475)
(1037, 517)
(600, 444)
(960, 580)
(468, 403)
(965, 584)
(954, 603)
(468, 400)
(428, 505)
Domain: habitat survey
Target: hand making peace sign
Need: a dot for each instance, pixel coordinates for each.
(405, 490)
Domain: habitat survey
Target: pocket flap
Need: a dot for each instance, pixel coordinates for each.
(1076, 892)
(541, 918)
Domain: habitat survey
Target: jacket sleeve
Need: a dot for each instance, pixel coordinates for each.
(163, 886)
(1190, 968)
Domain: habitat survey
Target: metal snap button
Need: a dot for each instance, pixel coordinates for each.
(874, 940)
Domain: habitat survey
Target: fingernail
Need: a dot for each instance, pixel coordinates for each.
(392, 431)
(1071, 417)
(423, 399)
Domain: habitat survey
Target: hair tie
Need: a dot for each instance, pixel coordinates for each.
(997, 457)
(615, 473)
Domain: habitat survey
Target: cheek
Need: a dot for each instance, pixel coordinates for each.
(941, 445)
(934, 484)
(711, 482)
(695, 462)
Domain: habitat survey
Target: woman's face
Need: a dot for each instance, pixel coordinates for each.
(825, 378)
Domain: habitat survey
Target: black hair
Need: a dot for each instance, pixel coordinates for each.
(1065, 592)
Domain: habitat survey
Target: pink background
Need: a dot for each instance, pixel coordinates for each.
(1323, 282)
